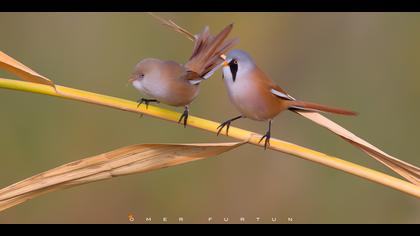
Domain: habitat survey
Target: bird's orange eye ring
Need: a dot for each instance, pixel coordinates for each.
(233, 62)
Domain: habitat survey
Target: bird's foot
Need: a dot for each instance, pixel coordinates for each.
(227, 124)
(221, 126)
(184, 117)
(146, 102)
(267, 137)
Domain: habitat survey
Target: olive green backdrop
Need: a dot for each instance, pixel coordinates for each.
(368, 62)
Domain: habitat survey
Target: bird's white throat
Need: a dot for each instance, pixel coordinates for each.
(138, 85)
(227, 74)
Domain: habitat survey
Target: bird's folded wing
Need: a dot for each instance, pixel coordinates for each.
(281, 94)
(408, 171)
(195, 81)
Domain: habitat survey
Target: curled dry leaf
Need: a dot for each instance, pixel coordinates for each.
(25, 73)
(123, 161)
(407, 170)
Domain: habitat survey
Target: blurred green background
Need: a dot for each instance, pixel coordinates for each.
(368, 62)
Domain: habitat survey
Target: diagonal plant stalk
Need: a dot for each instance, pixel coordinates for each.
(196, 122)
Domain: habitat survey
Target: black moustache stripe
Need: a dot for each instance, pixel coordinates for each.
(233, 69)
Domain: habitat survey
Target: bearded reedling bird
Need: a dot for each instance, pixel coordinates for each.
(178, 85)
(407, 170)
(257, 97)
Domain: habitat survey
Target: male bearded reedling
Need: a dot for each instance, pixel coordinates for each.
(178, 85)
(257, 97)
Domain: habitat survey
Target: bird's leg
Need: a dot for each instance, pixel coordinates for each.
(146, 101)
(267, 136)
(227, 124)
(184, 116)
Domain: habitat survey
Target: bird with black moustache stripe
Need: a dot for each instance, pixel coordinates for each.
(257, 97)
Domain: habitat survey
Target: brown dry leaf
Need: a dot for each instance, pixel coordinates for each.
(22, 71)
(408, 171)
(122, 161)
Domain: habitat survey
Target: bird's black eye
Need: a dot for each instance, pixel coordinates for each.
(233, 65)
(141, 76)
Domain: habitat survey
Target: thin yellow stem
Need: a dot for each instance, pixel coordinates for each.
(211, 126)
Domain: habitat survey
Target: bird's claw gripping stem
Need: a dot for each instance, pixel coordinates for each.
(146, 102)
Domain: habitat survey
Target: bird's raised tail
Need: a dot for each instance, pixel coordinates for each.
(406, 170)
(309, 106)
(208, 49)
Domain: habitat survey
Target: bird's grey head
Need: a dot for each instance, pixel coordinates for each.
(237, 62)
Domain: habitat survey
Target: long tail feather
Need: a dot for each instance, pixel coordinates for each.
(406, 170)
(309, 106)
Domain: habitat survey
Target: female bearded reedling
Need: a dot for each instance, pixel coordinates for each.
(177, 85)
(257, 97)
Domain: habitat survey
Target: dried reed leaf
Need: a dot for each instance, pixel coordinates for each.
(406, 170)
(25, 73)
(123, 161)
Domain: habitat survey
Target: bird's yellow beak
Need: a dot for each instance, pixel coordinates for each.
(132, 78)
(225, 63)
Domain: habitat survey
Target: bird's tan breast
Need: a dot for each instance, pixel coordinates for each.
(252, 97)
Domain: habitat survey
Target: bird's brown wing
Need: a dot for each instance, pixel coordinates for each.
(279, 92)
